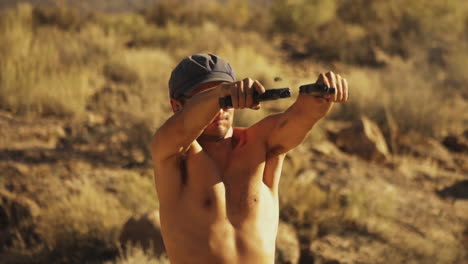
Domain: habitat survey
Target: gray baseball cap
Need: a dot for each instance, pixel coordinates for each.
(196, 70)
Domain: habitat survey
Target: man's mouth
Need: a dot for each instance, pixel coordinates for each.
(218, 121)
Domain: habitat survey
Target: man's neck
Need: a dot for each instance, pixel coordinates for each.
(217, 145)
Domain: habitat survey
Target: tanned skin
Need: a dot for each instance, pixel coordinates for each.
(218, 185)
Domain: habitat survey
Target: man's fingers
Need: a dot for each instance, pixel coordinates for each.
(339, 88)
(337, 82)
(323, 79)
(259, 87)
(345, 89)
(332, 84)
(249, 97)
(248, 89)
(234, 95)
(241, 94)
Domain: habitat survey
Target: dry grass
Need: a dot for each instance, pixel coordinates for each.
(83, 211)
(136, 255)
(134, 191)
(84, 224)
(39, 75)
(365, 203)
(37, 72)
(407, 92)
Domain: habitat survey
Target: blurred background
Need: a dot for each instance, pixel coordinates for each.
(83, 86)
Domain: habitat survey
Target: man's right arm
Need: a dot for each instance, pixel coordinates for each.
(177, 134)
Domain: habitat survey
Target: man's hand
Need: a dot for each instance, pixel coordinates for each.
(241, 93)
(325, 103)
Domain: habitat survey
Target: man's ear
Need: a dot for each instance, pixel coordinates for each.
(176, 105)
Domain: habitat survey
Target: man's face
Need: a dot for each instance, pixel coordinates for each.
(222, 122)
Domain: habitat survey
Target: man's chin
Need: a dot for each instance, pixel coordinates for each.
(214, 134)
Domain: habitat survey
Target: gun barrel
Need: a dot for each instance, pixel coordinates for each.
(318, 89)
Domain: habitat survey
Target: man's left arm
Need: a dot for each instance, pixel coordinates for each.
(285, 131)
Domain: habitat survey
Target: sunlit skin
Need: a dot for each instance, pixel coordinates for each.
(218, 185)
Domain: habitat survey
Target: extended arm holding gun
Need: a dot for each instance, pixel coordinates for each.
(284, 131)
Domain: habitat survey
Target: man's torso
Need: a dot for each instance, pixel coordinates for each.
(217, 208)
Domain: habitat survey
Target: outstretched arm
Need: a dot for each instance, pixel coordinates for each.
(292, 126)
(284, 131)
(177, 134)
(180, 130)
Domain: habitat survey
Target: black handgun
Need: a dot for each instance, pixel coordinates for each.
(316, 89)
(270, 94)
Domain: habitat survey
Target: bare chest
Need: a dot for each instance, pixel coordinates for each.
(231, 183)
(216, 188)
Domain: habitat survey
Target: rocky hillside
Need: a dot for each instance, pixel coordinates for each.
(72, 186)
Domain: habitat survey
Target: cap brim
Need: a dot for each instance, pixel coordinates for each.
(212, 77)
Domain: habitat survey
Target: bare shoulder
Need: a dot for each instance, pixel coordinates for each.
(261, 130)
(247, 136)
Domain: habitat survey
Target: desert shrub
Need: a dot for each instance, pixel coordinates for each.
(400, 27)
(38, 73)
(314, 29)
(83, 225)
(135, 192)
(405, 90)
(136, 255)
(197, 12)
(222, 14)
(338, 41)
(146, 100)
(362, 203)
(312, 210)
(183, 12)
(457, 72)
(121, 24)
(120, 73)
(350, 31)
(61, 17)
(299, 200)
(301, 17)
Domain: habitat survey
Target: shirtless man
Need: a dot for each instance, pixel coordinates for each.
(218, 185)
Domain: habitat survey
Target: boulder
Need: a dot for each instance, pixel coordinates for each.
(144, 231)
(287, 245)
(456, 143)
(458, 190)
(363, 138)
